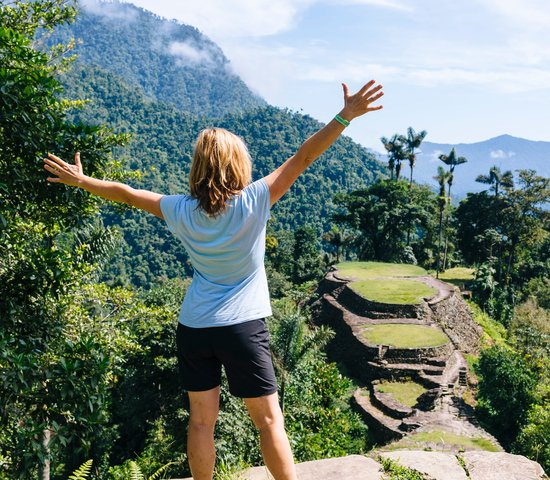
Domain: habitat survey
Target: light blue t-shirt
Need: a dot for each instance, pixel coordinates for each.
(227, 253)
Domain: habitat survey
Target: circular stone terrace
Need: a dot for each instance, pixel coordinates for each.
(413, 365)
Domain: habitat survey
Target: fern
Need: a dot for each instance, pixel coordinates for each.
(82, 472)
(157, 474)
(136, 471)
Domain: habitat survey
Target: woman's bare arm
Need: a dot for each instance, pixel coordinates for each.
(281, 179)
(118, 192)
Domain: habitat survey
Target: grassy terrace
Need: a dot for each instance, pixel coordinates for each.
(444, 441)
(457, 276)
(406, 393)
(370, 270)
(404, 336)
(396, 291)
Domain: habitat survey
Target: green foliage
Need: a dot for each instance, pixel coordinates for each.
(142, 49)
(533, 440)
(82, 472)
(307, 255)
(381, 216)
(506, 391)
(394, 471)
(161, 150)
(529, 331)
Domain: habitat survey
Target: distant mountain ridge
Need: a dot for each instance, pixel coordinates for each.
(505, 151)
(171, 62)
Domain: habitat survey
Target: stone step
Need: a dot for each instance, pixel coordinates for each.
(375, 418)
(407, 368)
(438, 361)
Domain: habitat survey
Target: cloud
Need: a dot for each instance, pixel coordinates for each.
(221, 19)
(189, 52)
(110, 10)
(500, 154)
(522, 13)
(391, 4)
(434, 156)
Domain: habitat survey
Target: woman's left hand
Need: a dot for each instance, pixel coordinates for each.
(65, 172)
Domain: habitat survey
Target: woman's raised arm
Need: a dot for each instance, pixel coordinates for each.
(281, 179)
(118, 192)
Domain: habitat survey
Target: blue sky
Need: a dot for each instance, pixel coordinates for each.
(463, 70)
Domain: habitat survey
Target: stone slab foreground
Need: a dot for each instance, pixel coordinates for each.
(480, 465)
(352, 467)
(500, 465)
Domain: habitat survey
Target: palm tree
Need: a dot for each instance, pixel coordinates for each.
(413, 140)
(496, 179)
(452, 161)
(395, 147)
(292, 343)
(442, 178)
(339, 239)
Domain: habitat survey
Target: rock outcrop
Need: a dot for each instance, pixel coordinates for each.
(434, 465)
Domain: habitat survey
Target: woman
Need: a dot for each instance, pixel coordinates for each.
(222, 319)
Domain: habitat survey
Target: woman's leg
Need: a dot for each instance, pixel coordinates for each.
(201, 452)
(268, 418)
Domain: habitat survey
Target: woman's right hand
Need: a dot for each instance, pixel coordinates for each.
(360, 103)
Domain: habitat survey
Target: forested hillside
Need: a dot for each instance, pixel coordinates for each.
(171, 62)
(161, 148)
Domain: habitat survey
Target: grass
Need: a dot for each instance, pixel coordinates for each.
(494, 332)
(439, 440)
(457, 275)
(370, 270)
(404, 335)
(406, 393)
(395, 291)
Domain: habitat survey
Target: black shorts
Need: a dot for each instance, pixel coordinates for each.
(242, 349)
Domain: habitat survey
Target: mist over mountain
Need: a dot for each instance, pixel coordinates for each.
(131, 87)
(171, 62)
(505, 151)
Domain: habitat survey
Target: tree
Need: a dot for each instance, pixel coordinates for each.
(45, 373)
(307, 257)
(395, 147)
(442, 178)
(496, 179)
(505, 392)
(525, 220)
(452, 161)
(339, 239)
(293, 342)
(381, 213)
(413, 140)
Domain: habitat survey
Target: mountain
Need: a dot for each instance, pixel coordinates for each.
(505, 151)
(171, 62)
(161, 148)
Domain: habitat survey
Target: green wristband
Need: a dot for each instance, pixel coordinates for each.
(341, 120)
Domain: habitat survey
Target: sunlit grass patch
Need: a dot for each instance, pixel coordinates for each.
(457, 275)
(444, 441)
(406, 393)
(402, 335)
(396, 291)
(494, 332)
(368, 270)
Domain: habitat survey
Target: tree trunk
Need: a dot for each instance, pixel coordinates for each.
(439, 242)
(44, 467)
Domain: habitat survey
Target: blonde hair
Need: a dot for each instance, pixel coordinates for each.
(221, 168)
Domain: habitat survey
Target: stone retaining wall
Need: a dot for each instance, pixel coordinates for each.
(455, 317)
(361, 306)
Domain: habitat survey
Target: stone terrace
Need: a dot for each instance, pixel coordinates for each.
(441, 369)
